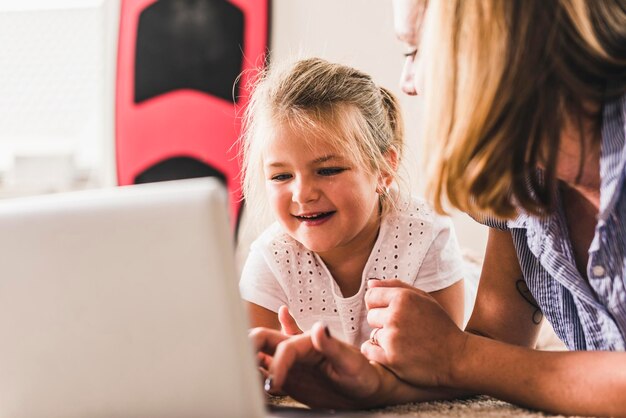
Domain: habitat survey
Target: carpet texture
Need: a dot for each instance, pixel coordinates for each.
(480, 406)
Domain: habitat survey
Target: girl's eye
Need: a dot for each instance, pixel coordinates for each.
(280, 177)
(330, 171)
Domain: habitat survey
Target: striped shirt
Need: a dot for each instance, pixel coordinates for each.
(586, 314)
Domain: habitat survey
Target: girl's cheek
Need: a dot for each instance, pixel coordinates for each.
(276, 194)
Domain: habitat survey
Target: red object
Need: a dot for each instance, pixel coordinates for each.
(181, 122)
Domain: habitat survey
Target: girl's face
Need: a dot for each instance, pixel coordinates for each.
(321, 198)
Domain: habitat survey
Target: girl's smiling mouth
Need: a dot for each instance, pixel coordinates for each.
(314, 218)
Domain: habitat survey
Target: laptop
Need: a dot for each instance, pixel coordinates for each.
(123, 302)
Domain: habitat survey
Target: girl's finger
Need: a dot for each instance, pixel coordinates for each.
(264, 360)
(266, 340)
(291, 350)
(288, 324)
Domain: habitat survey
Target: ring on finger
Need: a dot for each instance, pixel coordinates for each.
(373, 339)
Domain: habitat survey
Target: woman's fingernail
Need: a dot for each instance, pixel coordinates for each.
(327, 331)
(268, 384)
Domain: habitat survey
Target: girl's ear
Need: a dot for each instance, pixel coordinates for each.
(387, 176)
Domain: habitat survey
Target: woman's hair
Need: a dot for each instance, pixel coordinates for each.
(501, 80)
(325, 101)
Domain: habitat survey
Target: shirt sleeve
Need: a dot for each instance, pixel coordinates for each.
(443, 264)
(258, 284)
(490, 222)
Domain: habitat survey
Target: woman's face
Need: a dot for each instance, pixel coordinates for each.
(408, 18)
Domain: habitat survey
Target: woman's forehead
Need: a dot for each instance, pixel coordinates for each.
(407, 17)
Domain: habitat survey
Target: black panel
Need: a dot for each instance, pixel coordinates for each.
(194, 44)
(178, 168)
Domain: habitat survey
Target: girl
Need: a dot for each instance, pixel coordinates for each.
(326, 142)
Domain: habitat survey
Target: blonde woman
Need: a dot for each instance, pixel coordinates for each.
(526, 117)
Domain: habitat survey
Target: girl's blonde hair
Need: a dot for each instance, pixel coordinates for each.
(501, 78)
(319, 100)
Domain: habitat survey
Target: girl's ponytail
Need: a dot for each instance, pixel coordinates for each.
(394, 118)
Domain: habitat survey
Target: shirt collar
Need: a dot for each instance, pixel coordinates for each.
(612, 162)
(612, 155)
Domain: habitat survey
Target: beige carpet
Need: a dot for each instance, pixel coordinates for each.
(481, 406)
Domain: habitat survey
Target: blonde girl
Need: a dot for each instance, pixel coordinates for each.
(325, 142)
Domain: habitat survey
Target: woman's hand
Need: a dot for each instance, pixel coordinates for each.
(318, 370)
(416, 339)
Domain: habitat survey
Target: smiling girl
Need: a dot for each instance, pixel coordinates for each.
(326, 142)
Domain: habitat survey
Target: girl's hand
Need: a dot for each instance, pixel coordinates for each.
(316, 369)
(288, 324)
(416, 339)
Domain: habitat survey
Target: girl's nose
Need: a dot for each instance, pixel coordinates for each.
(304, 191)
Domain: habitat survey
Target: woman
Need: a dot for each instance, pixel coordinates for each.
(525, 130)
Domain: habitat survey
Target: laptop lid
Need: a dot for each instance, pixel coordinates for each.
(123, 302)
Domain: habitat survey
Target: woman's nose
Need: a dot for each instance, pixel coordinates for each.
(407, 78)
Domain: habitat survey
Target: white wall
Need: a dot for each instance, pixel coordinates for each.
(57, 91)
(359, 34)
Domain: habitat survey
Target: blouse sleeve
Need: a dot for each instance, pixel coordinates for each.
(490, 222)
(258, 284)
(443, 265)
